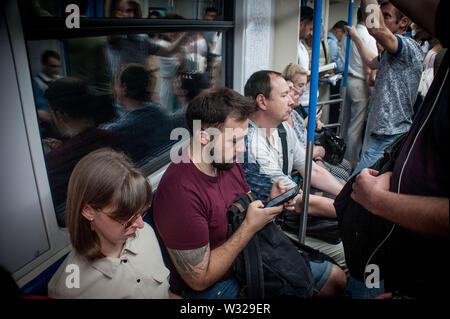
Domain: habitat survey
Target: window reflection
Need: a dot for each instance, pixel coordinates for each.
(145, 9)
(125, 91)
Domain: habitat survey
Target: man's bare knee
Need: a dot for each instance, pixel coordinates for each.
(335, 285)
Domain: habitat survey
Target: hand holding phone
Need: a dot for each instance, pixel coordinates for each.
(283, 198)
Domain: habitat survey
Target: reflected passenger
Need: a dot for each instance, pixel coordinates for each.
(134, 48)
(72, 109)
(144, 128)
(186, 87)
(115, 254)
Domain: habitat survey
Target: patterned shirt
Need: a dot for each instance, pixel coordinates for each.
(395, 91)
(299, 128)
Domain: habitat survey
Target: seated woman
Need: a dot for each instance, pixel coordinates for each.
(296, 77)
(115, 254)
(74, 112)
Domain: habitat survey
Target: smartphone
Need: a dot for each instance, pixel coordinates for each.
(319, 108)
(283, 198)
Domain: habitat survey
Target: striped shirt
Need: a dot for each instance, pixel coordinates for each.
(263, 163)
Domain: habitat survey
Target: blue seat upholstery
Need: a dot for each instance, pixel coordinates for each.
(38, 286)
(148, 218)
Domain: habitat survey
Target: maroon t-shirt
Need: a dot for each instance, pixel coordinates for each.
(190, 209)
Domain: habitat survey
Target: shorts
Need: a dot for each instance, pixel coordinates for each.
(321, 271)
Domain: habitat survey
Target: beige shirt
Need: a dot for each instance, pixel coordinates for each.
(138, 273)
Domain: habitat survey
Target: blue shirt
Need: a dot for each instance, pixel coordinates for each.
(144, 131)
(333, 45)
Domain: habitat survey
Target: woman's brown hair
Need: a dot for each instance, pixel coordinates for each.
(103, 177)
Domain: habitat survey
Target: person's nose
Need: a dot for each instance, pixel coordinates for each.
(290, 101)
(138, 223)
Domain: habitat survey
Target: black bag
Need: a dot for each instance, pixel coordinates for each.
(361, 231)
(334, 147)
(270, 266)
(322, 228)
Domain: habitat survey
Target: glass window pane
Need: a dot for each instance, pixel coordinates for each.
(121, 91)
(153, 9)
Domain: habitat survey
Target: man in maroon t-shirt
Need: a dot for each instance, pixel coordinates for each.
(193, 196)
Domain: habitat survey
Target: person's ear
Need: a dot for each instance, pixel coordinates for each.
(261, 101)
(204, 137)
(404, 22)
(88, 212)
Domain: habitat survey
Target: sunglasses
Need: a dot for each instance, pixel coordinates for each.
(130, 221)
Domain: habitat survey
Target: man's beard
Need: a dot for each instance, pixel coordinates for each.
(222, 166)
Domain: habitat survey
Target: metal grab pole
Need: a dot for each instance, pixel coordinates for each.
(311, 114)
(347, 60)
(347, 48)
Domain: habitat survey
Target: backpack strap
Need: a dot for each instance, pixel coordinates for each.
(254, 276)
(283, 136)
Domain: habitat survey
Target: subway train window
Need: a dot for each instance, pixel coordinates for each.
(95, 87)
(153, 9)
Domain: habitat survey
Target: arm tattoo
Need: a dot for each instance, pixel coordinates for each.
(188, 260)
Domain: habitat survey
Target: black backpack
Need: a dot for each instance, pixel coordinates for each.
(361, 231)
(270, 266)
(334, 146)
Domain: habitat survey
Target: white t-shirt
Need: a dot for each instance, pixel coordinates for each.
(303, 55)
(355, 65)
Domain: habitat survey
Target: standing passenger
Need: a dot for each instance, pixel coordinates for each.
(357, 95)
(399, 71)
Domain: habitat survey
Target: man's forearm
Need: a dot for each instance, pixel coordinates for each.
(173, 48)
(223, 256)
(368, 57)
(321, 206)
(420, 214)
(323, 180)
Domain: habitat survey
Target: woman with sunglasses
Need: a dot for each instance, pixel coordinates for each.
(115, 254)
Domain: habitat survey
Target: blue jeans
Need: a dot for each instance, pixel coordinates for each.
(373, 150)
(227, 289)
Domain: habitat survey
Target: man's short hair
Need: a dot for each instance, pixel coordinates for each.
(359, 15)
(136, 79)
(193, 83)
(211, 9)
(70, 96)
(398, 13)
(340, 25)
(259, 83)
(213, 106)
(49, 54)
(306, 14)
